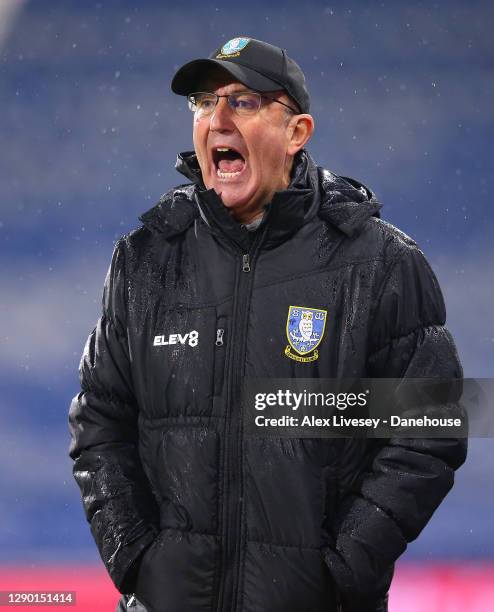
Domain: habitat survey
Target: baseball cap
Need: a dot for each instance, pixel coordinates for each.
(257, 64)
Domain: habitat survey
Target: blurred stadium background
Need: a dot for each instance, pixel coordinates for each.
(402, 98)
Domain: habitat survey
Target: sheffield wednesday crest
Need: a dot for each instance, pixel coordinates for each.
(233, 47)
(304, 330)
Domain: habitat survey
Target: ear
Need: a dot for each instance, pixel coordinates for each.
(301, 128)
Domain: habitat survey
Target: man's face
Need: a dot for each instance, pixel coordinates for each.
(261, 142)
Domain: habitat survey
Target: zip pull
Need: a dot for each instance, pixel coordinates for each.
(245, 263)
(219, 337)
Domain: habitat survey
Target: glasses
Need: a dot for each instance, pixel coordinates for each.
(244, 103)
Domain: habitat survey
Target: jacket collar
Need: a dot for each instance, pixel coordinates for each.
(283, 216)
(342, 201)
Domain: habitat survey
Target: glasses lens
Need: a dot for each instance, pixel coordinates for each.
(245, 103)
(202, 103)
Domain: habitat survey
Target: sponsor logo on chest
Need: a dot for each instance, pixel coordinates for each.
(191, 338)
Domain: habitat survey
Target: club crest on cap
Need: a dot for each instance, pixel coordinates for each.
(233, 47)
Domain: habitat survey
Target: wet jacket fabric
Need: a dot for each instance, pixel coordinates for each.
(188, 513)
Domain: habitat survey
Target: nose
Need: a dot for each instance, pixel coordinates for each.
(222, 117)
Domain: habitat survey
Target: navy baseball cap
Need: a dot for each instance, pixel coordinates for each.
(257, 64)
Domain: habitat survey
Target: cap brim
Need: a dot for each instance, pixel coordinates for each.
(188, 77)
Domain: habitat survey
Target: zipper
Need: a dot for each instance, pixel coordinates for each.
(131, 602)
(219, 358)
(219, 337)
(245, 262)
(233, 468)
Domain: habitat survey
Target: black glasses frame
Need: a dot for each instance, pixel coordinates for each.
(192, 103)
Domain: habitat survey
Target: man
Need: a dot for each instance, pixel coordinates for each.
(190, 515)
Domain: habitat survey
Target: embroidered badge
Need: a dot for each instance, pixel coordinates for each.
(233, 47)
(304, 330)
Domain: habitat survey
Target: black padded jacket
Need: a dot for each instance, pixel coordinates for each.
(189, 514)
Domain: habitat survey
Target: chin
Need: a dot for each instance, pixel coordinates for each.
(231, 200)
(234, 197)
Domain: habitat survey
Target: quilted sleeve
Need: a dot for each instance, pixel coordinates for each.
(406, 479)
(116, 496)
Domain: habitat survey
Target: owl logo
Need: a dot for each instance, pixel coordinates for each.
(305, 325)
(304, 329)
(233, 46)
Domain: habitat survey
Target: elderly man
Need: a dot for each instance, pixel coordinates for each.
(188, 513)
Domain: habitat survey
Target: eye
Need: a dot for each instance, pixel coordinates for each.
(245, 101)
(202, 102)
(205, 102)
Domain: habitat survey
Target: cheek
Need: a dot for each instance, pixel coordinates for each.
(199, 138)
(272, 155)
(196, 135)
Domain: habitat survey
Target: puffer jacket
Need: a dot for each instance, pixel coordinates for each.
(190, 515)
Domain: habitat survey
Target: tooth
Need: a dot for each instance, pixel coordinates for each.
(222, 149)
(227, 174)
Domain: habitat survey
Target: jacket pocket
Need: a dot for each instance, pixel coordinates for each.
(330, 501)
(178, 573)
(220, 347)
(188, 477)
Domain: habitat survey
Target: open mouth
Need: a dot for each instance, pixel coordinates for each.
(229, 163)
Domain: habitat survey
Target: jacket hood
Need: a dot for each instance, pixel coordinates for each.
(342, 201)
